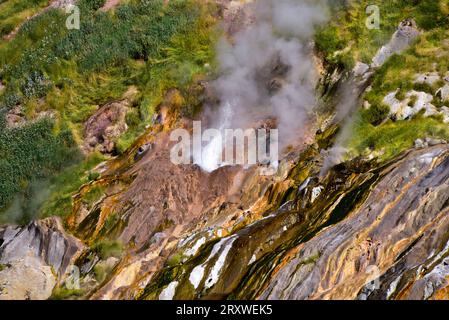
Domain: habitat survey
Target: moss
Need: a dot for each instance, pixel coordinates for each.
(175, 259)
(93, 195)
(412, 101)
(62, 293)
(392, 138)
(112, 226)
(310, 260)
(167, 223)
(64, 185)
(100, 273)
(93, 176)
(106, 249)
(376, 114)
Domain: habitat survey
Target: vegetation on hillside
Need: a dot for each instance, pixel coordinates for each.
(15, 12)
(149, 45)
(347, 40)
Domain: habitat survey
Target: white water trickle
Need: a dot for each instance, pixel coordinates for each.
(211, 154)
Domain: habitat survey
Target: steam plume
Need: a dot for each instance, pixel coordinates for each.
(275, 48)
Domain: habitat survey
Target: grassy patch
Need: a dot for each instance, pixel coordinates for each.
(31, 152)
(148, 45)
(392, 138)
(62, 293)
(347, 38)
(68, 182)
(106, 249)
(15, 12)
(347, 29)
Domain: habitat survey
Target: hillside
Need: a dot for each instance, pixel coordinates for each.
(92, 205)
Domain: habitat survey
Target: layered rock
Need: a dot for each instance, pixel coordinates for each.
(368, 233)
(34, 258)
(400, 227)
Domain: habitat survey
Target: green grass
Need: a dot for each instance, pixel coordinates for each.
(347, 29)
(392, 138)
(148, 45)
(15, 12)
(106, 249)
(67, 183)
(427, 55)
(62, 293)
(346, 39)
(31, 152)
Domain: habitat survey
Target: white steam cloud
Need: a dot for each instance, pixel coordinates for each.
(268, 71)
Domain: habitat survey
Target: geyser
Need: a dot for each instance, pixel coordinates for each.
(267, 71)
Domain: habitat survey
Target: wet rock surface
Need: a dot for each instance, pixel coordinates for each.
(401, 221)
(393, 233)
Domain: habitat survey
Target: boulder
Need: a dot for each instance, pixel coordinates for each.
(443, 92)
(429, 78)
(419, 144)
(404, 36)
(26, 279)
(401, 110)
(15, 117)
(360, 69)
(34, 258)
(105, 126)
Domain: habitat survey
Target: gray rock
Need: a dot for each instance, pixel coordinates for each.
(404, 36)
(360, 69)
(419, 144)
(401, 110)
(429, 78)
(37, 256)
(443, 92)
(433, 142)
(26, 279)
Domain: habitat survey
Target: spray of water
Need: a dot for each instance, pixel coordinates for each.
(267, 71)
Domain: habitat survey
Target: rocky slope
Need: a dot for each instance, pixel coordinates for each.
(329, 224)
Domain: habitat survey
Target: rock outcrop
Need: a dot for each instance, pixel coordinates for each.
(368, 233)
(404, 36)
(414, 102)
(398, 231)
(34, 258)
(105, 126)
